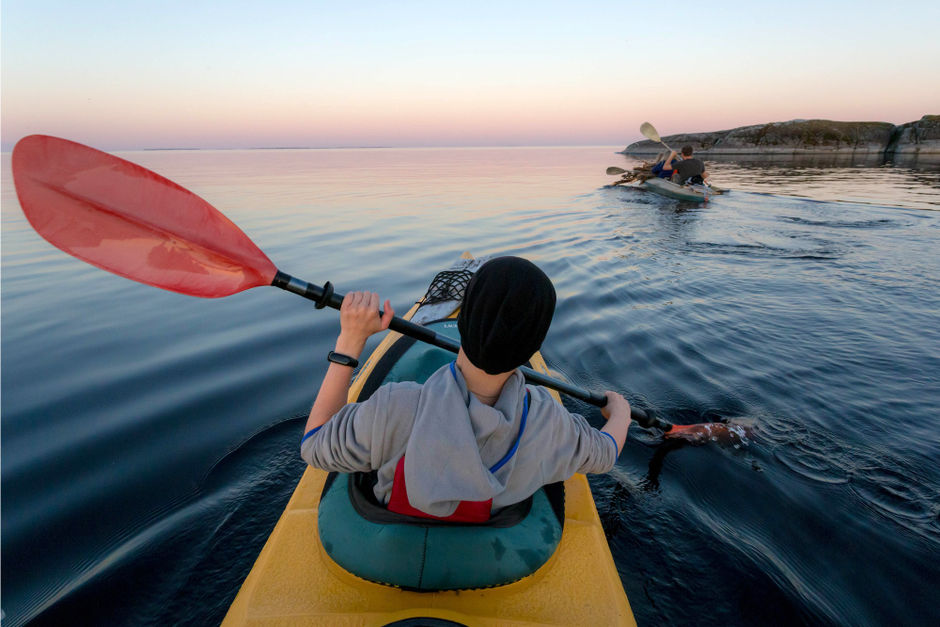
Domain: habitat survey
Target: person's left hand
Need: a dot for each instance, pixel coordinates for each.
(359, 318)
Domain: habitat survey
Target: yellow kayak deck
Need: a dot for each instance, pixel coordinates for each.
(295, 582)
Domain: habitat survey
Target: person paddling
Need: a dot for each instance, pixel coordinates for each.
(659, 168)
(473, 438)
(687, 170)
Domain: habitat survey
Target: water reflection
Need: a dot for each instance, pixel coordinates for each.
(834, 160)
(651, 481)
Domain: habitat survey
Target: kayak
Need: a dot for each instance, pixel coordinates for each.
(695, 193)
(550, 565)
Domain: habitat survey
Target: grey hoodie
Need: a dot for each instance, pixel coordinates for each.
(450, 440)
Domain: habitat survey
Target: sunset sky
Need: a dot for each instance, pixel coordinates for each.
(200, 74)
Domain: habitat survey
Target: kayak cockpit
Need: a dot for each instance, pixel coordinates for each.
(367, 540)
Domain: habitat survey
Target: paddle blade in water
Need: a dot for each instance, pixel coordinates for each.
(720, 432)
(649, 132)
(125, 219)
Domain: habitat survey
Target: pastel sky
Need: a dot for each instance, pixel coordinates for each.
(229, 74)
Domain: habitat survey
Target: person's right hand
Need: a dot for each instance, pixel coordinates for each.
(358, 316)
(617, 406)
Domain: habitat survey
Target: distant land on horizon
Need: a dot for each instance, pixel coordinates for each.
(806, 137)
(409, 147)
(419, 147)
(277, 148)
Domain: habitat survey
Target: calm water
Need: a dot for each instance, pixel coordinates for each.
(149, 440)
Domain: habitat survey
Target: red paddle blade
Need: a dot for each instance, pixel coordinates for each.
(125, 219)
(723, 433)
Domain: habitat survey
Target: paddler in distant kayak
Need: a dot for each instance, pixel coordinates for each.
(473, 438)
(659, 168)
(686, 170)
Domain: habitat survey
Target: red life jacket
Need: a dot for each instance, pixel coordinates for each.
(467, 511)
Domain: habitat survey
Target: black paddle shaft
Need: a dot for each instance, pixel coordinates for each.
(325, 296)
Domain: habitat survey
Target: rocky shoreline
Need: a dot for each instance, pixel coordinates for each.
(809, 137)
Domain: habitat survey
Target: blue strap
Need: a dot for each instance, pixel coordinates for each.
(309, 433)
(515, 445)
(616, 448)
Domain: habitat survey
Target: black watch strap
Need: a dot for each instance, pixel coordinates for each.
(342, 360)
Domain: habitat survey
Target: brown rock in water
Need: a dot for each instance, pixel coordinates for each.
(808, 136)
(803, 137)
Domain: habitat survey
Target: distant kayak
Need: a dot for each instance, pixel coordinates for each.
(695, 193)
(338, 557)
(646, 179)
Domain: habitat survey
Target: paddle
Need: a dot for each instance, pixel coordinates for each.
(649, 132)
(615, 170)
(126, 219)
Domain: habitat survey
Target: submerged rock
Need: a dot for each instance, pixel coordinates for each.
(799, 137)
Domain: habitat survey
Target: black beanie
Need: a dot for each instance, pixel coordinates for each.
(505, 314)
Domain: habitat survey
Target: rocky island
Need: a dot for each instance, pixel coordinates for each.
(809, 137)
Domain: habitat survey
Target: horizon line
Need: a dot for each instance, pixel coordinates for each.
(450, 147)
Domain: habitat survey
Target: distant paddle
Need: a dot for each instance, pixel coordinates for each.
(126, 219)
(615, 170)
(649, 132)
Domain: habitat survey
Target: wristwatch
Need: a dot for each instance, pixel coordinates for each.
(342, 360)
